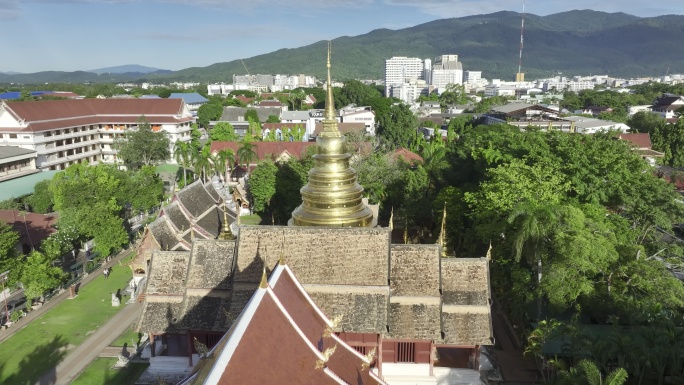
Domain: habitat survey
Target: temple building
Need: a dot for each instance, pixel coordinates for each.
(425, 313)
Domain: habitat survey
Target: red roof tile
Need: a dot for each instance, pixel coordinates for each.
(33, 228)
(641, 140)
(408, 156)
(51, 114)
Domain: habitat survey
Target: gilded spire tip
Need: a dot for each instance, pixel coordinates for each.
(281, 261)
(264, 279)
(391, 221)
(329, 121)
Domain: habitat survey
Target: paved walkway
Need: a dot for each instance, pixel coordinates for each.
(54, 301)
(516, 369)
(84, 354)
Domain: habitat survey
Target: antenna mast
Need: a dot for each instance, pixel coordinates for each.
(520, 76)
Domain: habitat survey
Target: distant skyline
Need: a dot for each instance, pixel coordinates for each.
(72, 35)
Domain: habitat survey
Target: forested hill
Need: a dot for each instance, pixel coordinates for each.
(574, 43)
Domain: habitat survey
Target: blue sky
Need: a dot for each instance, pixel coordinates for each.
(70, 35)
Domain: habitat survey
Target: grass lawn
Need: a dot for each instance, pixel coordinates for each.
(250, 219)
(48, 339)
(127, 336)
(101, 372)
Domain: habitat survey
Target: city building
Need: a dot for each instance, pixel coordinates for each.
(16, 162)
(64, 132)
(192, 99)
(446, 70)
(365, 115)
(400, 68)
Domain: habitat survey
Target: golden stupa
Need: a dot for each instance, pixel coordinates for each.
(332, 197)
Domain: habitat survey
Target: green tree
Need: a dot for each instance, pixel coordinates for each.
(273, 119)
(183, 154)
(226, 160)
(208, 112)
(398, 127)
(41, 199)
(262, 186)
(38, 275)
(669, 139)
(453, 94)
(247, 154)
(588, 373)
(223, 132)
(8, 243)
(295, 99)
(143, 146)
(251, 115)
(644, 121)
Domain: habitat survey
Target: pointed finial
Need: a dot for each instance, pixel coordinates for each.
(281, 261)
(406, 236)
(442, 234)
(226, 234)
(391, 221)
(264, 279)
(489, 252)
(329, 120)
(192, 234)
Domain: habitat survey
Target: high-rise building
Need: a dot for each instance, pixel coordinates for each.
(446, 70)
(400, 68)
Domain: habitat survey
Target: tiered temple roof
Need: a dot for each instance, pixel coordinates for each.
(353, 274)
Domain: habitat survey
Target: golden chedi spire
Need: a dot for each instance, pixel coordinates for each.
(225, 234)
(333, 196)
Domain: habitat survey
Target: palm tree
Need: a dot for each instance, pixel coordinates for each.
(296, 97)
(227, 158)
(182, 152)
(534, 224)
(247, 154)
(201, 162)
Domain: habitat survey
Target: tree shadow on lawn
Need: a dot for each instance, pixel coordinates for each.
(31, 369)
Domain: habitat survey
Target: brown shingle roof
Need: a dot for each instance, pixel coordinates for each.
(32, 228)
(408, 156)
(641, 140)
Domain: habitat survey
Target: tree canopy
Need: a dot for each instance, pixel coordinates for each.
(143, 146)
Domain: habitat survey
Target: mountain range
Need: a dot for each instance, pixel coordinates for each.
(128, 68)
(579, 42)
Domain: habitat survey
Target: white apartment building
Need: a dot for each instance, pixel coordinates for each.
(409, 92)
(363, 115)
(64, 132)
(446, 70)
(400, 68)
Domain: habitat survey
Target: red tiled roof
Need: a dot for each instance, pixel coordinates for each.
(640, 140)
(283, 312)
(265, 150)
(33, 228)
(408, 156)
(244, 99)
(52, 114)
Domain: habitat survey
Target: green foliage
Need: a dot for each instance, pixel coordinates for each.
(377, 173)
(38, 275)
(210, 111)
(143, 146)
(669, 139)
(251, 115)
(262, 186)
(8, 242)
(397, 126)
(273, 119)
(223, 132)
(11, 204)
(41, 199)
(453, 94)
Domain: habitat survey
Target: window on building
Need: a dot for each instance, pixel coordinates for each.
(12, 136)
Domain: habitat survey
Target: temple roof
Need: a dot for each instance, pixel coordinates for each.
(353, 275)
(306, 353)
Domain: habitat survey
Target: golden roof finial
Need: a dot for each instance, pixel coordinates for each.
(329, 119)
(406, 236)
(192, 234)
(264, 279)
(391, 221)
(281, 261)
(369, 357)
(226, 234)
(489, 252)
